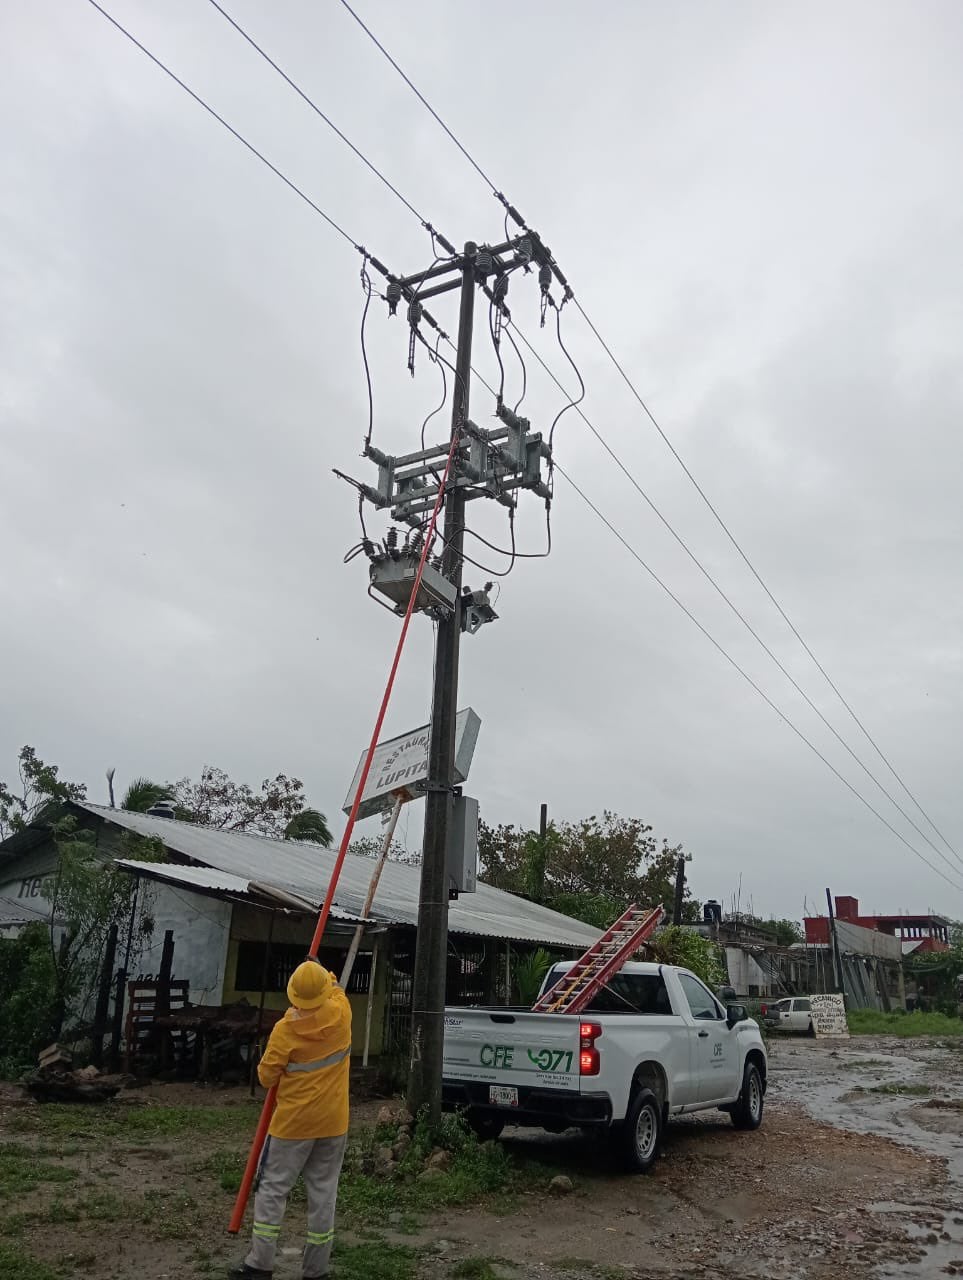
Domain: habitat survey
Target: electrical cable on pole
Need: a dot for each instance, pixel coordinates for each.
(336, 227)
(574, 403)
(512, 212)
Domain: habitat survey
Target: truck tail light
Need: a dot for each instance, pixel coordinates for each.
(588, 1058)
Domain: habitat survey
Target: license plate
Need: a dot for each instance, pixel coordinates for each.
(502, 1096)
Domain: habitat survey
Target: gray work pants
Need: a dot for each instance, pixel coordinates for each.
(319, 1161)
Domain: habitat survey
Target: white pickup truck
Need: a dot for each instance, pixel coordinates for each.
(654, 1042)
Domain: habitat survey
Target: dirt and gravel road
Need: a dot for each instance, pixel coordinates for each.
(857, 1172)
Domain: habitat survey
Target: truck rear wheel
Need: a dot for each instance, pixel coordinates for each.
(641, 1132)
(747, 1110)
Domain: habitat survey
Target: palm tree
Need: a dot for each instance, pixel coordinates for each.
(309, 824)
(143, 793)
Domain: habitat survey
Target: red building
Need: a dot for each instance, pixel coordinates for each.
(916, 932)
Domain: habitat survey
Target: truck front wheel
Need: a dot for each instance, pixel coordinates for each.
(641, 1132)
(747, 1110)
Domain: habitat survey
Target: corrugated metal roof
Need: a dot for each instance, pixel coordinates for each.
(213, 881)
(305, 869)
(199, 877)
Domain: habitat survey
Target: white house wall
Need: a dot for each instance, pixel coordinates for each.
(201, 925)
(201, 928)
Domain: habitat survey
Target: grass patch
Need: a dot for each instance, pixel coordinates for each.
(477, 1171)
(376, 1261)
(870, 1022)
(134, 1124)
(867, 1064)
(23, 1169)
(226, 1167)
(16, 1264)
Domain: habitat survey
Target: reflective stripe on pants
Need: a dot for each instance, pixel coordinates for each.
(318, 1160)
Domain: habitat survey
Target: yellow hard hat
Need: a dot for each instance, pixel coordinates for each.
(310, 985)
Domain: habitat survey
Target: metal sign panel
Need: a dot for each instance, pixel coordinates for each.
(401, 764)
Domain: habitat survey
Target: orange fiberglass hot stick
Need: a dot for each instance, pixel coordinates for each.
(263, 1124)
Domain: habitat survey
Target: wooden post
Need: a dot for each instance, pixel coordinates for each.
(372, 890)
(256, 1045)
(162, 997)
(117, 1029)
(103, 999)
(834, 939)
(376, 948)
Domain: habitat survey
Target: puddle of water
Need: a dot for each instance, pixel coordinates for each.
(820, 1082)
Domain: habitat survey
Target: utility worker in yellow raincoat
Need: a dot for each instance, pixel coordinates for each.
(308, 1057)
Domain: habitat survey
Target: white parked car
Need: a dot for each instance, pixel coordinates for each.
(791, 1014)
(653, 1043)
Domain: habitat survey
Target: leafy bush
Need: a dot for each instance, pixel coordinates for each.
(529, 974)
(685, 947)
(28, 998)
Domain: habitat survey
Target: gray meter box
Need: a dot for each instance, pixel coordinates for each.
(463, 844)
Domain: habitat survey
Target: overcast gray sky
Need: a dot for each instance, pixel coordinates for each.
(761, 207)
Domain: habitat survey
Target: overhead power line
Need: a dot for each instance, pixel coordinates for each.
(336, 227)
(734, 607)
(449, 248)
(230, 128)
(575, 403)
(513, 213)
(745, 675)
(733, 663)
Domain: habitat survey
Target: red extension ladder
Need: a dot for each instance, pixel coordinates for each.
(592, 970)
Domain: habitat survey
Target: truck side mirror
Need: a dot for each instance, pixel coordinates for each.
(735, 1013)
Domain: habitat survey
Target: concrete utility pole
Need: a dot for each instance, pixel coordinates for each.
(496, 463)
(431, 948)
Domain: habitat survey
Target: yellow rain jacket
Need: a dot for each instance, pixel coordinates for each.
(308, 1057)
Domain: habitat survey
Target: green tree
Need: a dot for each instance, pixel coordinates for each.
(217, 801)
(370, 847)
(309, 824)
(589, 869)
(938, 973)
(36, 793)
(685, 947)
(143, 794)
(86, 897)
(785, 932)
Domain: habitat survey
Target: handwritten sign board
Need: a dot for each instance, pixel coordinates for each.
(829, 1016)
(401, 764)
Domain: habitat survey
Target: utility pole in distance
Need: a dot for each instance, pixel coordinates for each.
(431, 946)
(679, 890)
(495, 463)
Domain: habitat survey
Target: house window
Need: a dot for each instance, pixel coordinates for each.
(284, 958)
